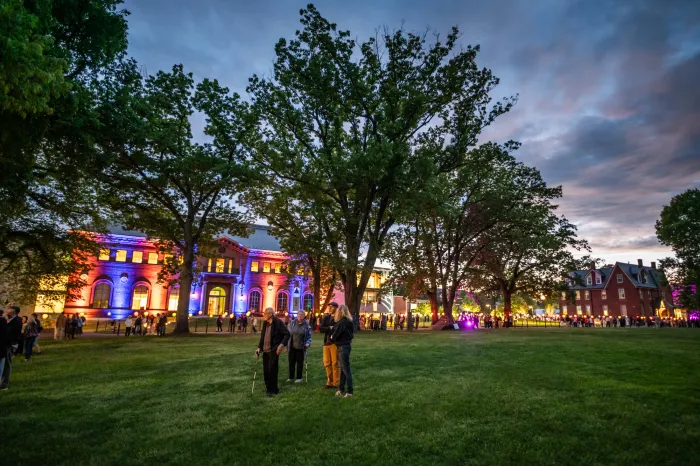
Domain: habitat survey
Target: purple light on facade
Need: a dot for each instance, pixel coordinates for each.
(694, 315)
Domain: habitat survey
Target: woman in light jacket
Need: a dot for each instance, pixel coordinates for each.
(299, 342)
(343, 333)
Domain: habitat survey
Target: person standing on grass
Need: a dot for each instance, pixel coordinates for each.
(137, 325)
(37, 349)
(13, 332)
(20, 345)
(274, 337)
(219, 323)
(299, 342)
(343, 333)
(330, 351)
(59, 332)
(29, 331)
(79, 322)
(128, 323)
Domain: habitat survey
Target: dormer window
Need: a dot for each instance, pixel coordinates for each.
(589, 280)
(598, 280)
(643, 276)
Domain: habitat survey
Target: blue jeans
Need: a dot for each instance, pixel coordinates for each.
(6, 367)
(28, 346)
(345, 372)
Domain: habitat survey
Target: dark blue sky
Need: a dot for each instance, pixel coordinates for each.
(609, 90)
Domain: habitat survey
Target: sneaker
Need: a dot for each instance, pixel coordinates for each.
(298, 380)
(5, 388)
(338, 393)
(288, 381)
(348, 395)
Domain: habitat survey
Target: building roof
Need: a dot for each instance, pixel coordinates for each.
(631, 270)
(260, 239)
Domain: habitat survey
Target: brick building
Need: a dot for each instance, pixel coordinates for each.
(618, 290)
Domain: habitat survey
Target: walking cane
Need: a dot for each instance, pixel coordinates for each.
(306, 363)
(255, 373)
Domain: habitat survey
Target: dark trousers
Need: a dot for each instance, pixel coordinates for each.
(218, 327)
(6, 367)
(271, 370)
(296, 359)
(28, 345)
(128, 331)
(345, 373)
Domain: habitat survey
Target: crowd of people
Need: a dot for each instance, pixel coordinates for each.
(19, 336)
(337, 329)
(68, 327)
(145, 325)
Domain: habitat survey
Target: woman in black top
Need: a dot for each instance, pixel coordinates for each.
(343, 333)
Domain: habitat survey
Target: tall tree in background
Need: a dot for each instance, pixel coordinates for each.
(533, 256)
(157, 179)
(462, 214)
(679, 227)
(301, 234)
(50, 52)
(354, 129)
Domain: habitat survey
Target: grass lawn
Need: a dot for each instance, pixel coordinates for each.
(539, 396)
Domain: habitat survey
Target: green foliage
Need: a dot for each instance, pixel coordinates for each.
(157, 179)
(679, 227)
(351, 129)
(51, 51)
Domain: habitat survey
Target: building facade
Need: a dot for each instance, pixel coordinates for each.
(245, 275)
(618, 290)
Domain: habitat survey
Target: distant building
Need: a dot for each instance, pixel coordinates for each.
(246, 275)
(618, 290)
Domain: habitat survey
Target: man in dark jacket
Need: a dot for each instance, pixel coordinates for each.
(274, 337)
(13, 332)
(330, 351)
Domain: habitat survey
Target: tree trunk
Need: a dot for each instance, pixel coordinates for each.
(183, 302)
(506, 308)
(409, 317)
(329, 295)
(352, 299)
(448, 300)
(317, 291)
(432, 297)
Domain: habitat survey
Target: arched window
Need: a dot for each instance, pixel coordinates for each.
(217, 301)
(282, 302)
(140, 298)
(254, 301)
(100, 297)
(308, 302)
(173, 299)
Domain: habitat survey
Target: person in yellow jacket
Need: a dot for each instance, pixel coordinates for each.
(330, 350)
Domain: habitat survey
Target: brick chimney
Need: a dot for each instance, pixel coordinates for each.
(640, 263)
(653, 265)
(591, 265)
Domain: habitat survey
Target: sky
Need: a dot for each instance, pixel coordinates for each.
(608, 91)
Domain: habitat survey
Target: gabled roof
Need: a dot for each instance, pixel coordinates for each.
(632, 271)
(582, 274)
(260, 239)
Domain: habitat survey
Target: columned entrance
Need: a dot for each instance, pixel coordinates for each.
(217, 301)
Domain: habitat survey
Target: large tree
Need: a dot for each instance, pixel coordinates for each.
(352, 128)
(464, 213)
(532, 256)
(50, 52)
(157, 178)
(679, 227)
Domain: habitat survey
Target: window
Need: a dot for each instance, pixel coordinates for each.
(173, 299)
(230, 266)
(254, 266)
(603, 294)
(649, 293)
(300, 271)
(578, 295)
(621, 293)
(266, 267)
(282, 301)
(588, 309)
(587, 295)
(623, 310)
(121, 255)
(152, 257)
(644, 276)
(566, 309)
(100, 297)
(598, 280)
(209, 266)
(308, 302)
(563, 295)
(219, 265)
(254, 300)
(605, 309)
(578, 310)
(589, 280)
(140, 298)
(104, 254)
(217, 301)
(278, 268)
(641, 294)
(137, 257)
(619, 278)
(168, 258)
